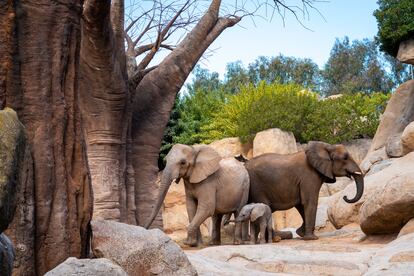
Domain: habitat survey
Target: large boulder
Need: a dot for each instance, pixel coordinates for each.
(393, 146)
(390, 206)
(398, 114)
(373, 158)
(6, 255)
(341, 213)
(87, 267)
(139, 251)
(274, 140)
(407, 139)
(230, 147)
(12, 150)
(396, 258)
(406, 51)
(358, 148)
(174, 214)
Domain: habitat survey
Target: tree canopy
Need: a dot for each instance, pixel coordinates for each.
(395, 24)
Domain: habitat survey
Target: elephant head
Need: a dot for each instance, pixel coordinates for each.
(251, 212)
(192, 163)
(334, 160)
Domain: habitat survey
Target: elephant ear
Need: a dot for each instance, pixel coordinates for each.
(257, 212)
(319, 158)
(207, 162)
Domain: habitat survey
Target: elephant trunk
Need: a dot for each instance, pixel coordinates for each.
(359, 181)
(166, 179)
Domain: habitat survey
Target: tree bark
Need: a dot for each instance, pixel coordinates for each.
(42, 86)
(153, 101)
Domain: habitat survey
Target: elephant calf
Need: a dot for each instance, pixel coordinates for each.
(260, 217)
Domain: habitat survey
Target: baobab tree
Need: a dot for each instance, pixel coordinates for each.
(95, 108)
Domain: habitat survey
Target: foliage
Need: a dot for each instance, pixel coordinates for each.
(395, 23)
(292, 108)
(355, 67)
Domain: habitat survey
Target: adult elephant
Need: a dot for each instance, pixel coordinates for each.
(294, 180)
(213, 187)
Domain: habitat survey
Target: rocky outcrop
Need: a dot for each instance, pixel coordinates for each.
(396, 258)
(174, 214)
(407, 139)
(229, 147)
(398, 114)
(341, 213)
(406, 51)
(390, 206)
(274, 140)
(139, 251)
(373, 158)
(87, 267)
(6, 255)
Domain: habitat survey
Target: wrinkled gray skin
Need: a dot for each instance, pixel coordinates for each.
(260, 217)
(294, 180)
(213, 187)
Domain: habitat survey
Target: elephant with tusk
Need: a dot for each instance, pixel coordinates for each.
(294, 180)
(213, 187)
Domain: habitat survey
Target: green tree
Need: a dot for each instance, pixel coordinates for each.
(395, 23)
(285, 70)
(355, 67)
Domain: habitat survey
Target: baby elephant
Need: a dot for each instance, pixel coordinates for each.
(260, 217)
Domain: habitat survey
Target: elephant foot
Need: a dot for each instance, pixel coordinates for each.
(191, 242)
(215, 242)
(300, 231)
(310, 237)
(276, 239)
(237, 242)
(262, 241)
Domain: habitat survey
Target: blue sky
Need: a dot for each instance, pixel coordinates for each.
(352, 18)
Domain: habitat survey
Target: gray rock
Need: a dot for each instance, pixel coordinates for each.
(390, 206)
(139, 251)
(341, 213)
(87, 267)
(407, 139)
(397, 115)
(396, 258)
(406, 51)
(274, 140)
(393, 146)
(6, 255)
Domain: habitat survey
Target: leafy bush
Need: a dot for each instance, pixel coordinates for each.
(395, 23)
(292, 108)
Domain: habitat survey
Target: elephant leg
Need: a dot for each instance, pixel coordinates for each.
(238, 230)
(193, 229)
(252, 233)
(245, 231)
(191, 211)
(269, 228)
(301, 230)
(310, 217)
(262, 226)
(215, 233)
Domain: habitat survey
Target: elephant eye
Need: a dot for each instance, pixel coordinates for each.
(182, 162)
(346, 156)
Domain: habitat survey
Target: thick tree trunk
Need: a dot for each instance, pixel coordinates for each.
(42, 86)
(154, 99)
(103, 100)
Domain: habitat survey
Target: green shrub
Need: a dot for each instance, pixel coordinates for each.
(292, 108)
(395, 23)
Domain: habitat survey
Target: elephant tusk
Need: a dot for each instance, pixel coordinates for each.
(358, 173)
